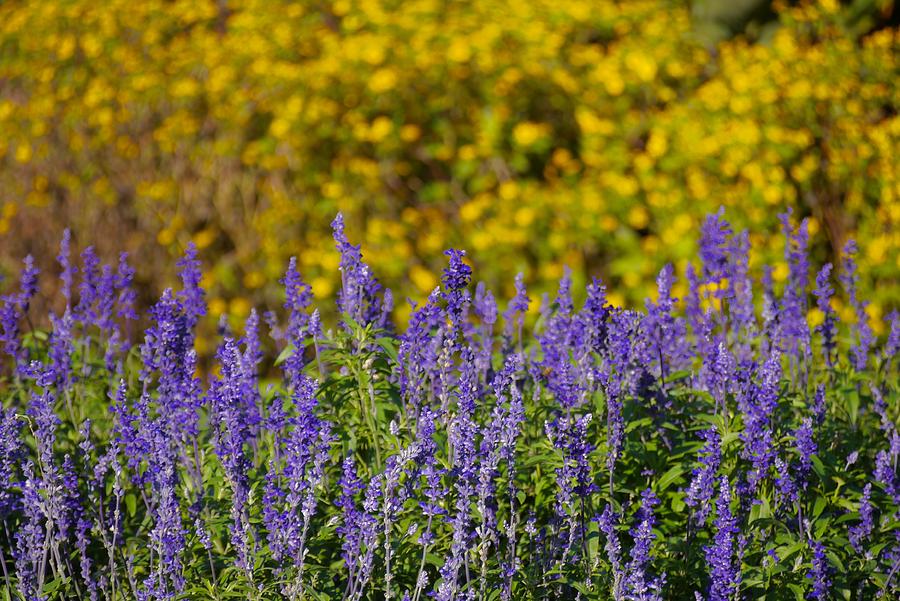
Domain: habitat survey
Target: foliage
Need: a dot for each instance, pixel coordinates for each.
(601, 453)
(591, 134)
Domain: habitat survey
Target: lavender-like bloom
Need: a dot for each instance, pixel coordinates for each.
(639, 584)
(168, 350)
(771, 312)
(127, 296)
(14, 308)
(168, 534)
(433, 490)
(463, 431)
(724, 566)
(664, 331)
(818, 573)
(557, 344)
(864, 339)
(416, 355)
(714, 234)
(231, 425)
(298, 297)
(294, 481)
(31, 549)
(892, 344)
(794, 331)
(786, 491)
(11, 453)
(806, 446)
(693, 310)
(9, 327)
(885, 473)
(68, 270)
(518, 307)
(486, 310)
(358, 297)
(192, 295)
(861, 531)
(741, 308)
(828, 328)
(819, 408)
(592, 322)
(758, 410)
(89, 288)
(702, 488)
(352, 518)
(455, 279)
(28, 284)
(717, 373)
(607, 521)
(574, 479)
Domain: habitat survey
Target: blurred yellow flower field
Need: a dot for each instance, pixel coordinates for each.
(534, 134)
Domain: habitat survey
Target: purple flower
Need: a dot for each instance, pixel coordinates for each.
(417, 355)
(574, 479)
(665, 332)
(68, 270)
(358, 297)
(639, 584)
(294, 481)
(31, 536)
(518, 307)
(28, 284)
(892, 344)
(352, 517)
(11, 454)
(862, 332)
(127, 297)
(758, 407)
(724, 565)
(89, 288)
(794, 332)
(608, 521)
(823, 293)
(714, 234)
(819, 408)
(860, 532)
(455, 280)
(818, 573)
(702, 488)
(785, 485)
(806, 446)
(15, 307)
(231, 418)
(741, 309)
(886, 475)
(192, 295)
(298, 298)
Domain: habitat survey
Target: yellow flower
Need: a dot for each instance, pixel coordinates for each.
(528, 133)
(383, 80)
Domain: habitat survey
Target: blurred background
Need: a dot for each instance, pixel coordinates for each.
(535, 134)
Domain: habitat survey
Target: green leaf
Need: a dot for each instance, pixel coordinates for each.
(131, 504)
(669, 477)
(285, 354)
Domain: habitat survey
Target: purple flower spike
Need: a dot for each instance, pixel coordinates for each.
(638, 583)
(862, 332)
(819, 573)
(724, 566)
(192, 295)
(702, 488)
(827, 329)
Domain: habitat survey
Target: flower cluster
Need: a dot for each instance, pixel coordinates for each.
(709, 448)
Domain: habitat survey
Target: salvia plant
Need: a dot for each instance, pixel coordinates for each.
(715, 447)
